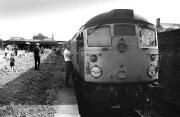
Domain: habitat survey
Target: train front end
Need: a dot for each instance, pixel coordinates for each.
(125, 51)
(120, 56)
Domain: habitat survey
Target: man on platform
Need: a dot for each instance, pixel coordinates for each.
(68, 65)
(37, 56)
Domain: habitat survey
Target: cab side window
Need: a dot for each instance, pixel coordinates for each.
(80, 42)
(79, 46)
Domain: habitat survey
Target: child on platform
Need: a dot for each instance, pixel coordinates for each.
(12, 63)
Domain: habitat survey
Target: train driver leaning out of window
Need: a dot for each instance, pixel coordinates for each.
(68, 65)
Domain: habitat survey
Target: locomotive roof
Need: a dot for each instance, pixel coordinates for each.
(116, 16)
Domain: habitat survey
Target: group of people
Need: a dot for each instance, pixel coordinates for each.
(67, 58)
(37, 51)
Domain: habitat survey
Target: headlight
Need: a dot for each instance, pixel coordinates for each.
(153, 57)
(94, 58)
(96, 71)
(151, 70)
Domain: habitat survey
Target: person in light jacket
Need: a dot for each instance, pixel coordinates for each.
(68, 65)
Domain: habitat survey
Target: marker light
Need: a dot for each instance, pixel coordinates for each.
(153, 57)
(96, 71)
(151, 70)
(94, 58)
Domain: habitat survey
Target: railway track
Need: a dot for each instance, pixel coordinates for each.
(165, 108)
(160, 108)
(163, 105)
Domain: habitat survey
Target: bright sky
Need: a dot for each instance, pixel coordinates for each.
(63, 18)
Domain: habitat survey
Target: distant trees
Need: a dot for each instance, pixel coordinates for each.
(170, 28)
(39, 36)
(166, 29)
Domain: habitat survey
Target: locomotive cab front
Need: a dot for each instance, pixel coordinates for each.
(112, 52)
(121, 53)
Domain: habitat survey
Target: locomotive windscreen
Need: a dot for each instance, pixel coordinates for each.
(124, 30)
(100, 37)
(148, 37)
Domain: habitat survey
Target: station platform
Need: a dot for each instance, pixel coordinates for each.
(67, 103)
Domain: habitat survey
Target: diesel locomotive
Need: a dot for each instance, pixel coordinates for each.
(115, 61)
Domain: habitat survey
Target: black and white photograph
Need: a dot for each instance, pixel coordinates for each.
(89, 58)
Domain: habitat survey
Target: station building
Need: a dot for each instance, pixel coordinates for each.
(28, 44)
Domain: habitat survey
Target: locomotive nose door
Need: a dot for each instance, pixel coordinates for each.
(125, 43)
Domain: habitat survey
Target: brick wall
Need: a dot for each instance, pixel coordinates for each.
(169, 77)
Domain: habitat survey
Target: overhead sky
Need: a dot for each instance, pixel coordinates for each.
(63, 18)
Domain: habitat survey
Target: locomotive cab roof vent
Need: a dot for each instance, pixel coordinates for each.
(115, 16)
(122, 14)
